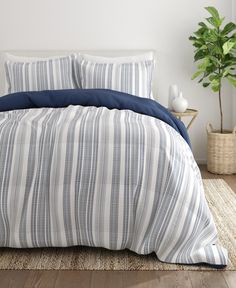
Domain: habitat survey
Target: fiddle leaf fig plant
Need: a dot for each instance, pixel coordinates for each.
(215, 53)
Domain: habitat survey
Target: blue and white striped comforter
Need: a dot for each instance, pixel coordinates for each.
(106, 178)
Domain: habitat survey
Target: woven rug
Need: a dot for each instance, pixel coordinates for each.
(222, 202)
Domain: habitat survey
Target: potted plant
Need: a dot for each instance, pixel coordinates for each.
(215, 52)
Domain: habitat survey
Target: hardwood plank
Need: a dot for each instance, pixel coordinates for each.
(73, 279)
(13, 278)
(230, 278)
(229, 179)
(161, 279)
(138, 279)
(175, 279)
(41, 279)
(113, 279)
(207, 279)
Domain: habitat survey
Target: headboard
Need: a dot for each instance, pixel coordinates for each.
(45, 53)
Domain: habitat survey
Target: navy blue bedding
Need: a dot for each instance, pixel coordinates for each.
(92, 97)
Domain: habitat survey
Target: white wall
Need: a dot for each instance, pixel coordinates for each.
(123, 24)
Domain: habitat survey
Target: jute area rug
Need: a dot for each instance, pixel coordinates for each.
(222, 202)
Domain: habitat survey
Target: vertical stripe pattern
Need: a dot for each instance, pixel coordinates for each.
(107, 178)
(133, 78)
(51, 74)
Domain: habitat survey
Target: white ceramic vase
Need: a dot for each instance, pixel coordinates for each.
(173, 93)
(180, 104)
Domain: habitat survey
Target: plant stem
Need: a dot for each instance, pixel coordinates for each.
(221, 112)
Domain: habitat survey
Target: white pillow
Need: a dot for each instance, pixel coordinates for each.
(38, 74)
(16, 58)
(127, 59)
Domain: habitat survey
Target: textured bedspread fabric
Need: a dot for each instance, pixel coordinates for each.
(106, 178)
(92, 97)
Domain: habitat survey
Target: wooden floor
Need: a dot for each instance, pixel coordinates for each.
(90, 279)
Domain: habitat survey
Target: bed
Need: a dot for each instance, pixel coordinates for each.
(97, 167)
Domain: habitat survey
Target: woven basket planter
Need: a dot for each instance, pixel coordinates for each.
(221, 156)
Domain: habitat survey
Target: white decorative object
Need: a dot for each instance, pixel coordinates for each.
(180, 104)
(173, 93)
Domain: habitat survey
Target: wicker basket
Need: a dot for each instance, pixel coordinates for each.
(221, 151)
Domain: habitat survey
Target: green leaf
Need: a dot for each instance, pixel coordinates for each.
(215, 85)
(192, 38)
(203, 47)
(202, 24)
(216, 88)
(206, 84)
(228, 28)
(199, 55)
(225, 73)
(230, 62)
(217, 50)
(210, 70)
(228, 46)
(213, 11)
(200, 31)
(213, 77)
(199, 81)
(215, 60)
(213, 22)
(200, 42)
(197, 45)
(215, 82)
(196, 74)
(232, 81)
(222, 20)
(210, 36)
(204, 64)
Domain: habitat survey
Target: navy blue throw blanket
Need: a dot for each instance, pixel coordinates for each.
(92, 97)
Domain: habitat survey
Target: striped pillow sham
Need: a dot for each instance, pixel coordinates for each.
(52, 73)
(134, 78)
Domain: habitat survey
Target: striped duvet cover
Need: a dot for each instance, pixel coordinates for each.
(106, 178)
